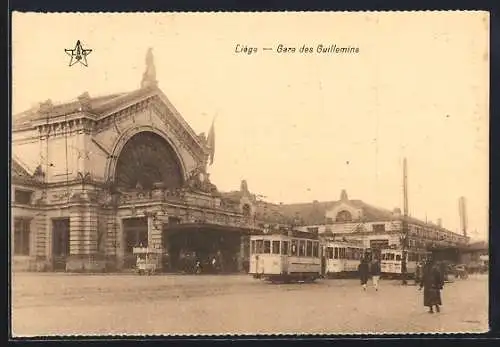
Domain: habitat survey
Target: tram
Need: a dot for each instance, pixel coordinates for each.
(341, 258)
(392, 259)
(285, 256)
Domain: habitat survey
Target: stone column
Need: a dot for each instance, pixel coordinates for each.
(83, 238)
(244, 256)
(111, 234)
(166, 259)
(74, 260)
(76, 230)
(155, 227)
(119, 241)
(41, 241)
(90, 231)
(156, 233)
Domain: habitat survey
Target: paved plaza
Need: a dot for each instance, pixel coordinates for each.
(65, 304)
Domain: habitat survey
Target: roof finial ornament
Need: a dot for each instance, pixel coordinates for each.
(244, 186)
(343, 195)
(149, 76)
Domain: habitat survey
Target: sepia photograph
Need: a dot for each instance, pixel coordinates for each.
(180, 174)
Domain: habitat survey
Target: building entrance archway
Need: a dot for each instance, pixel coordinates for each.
(218, 250)
(145, 160)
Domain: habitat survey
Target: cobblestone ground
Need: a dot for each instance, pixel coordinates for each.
(63, 304)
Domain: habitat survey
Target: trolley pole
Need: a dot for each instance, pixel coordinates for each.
(405, 225)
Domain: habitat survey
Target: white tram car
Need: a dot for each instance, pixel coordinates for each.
(285, 256)
(341, 258)
(392, 259)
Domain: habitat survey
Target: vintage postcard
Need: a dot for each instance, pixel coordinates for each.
(249, 173)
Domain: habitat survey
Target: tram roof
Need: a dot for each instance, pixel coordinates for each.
(293, 233)
(399, 249)
(344, 243)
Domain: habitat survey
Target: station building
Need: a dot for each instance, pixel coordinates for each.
(373, 227)
(94, 177)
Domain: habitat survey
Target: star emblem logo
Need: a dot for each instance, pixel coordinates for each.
(78, 54)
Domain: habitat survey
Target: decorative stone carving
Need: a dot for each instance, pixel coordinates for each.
(199, 180)
(46, 107)
(60, 196)
(149, 76)
(39, 175)
(85, 102)
(158, 191)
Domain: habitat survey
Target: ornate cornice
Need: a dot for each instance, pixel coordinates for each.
(189, 140)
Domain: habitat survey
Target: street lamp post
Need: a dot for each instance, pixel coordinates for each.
(404, 244)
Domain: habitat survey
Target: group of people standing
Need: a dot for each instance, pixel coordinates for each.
(430, 278)
(367, 269)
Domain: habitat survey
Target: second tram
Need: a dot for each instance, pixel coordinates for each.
(285, 256)
(392, 261)
(341, 258)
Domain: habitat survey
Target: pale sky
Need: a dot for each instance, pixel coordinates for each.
(297, 127)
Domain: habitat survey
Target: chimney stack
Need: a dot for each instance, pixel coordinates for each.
(405, 187)
(462, 210)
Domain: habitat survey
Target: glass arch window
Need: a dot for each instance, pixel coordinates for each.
(344, 216)
(147, 159)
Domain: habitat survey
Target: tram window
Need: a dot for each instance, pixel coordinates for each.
(398, 257)
(342, 253)
(337, 256)
(349, 254)
(267, 246)
(315, 249)
(329, 252)
(252, 247)
(259, 246)
(295, 247)
(309, 248)
(284, 248)
(276, 247)
(302, 248)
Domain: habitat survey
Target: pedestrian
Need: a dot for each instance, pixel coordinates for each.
(214, 264)
(375, 272)
(432, 282)
(418, 273)
(363, 270)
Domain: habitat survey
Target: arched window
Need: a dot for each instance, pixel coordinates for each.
(344, 216)
(147, 159)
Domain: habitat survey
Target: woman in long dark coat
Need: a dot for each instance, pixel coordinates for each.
(432, 282)
(364, 271)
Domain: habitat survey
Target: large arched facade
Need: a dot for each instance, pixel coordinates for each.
(88, 210)
(142, 156)
(147, 159)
